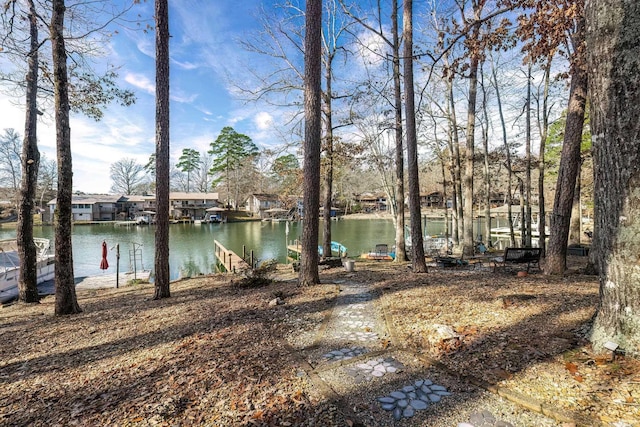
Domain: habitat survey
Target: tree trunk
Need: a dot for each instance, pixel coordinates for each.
(527, 179)
(28, 280)
(542, 224)
(401, 250)
(487, 176)
(328, 176)
(455, 161)
(555, 262)
(417, 247)
(66, 300)
(467, 248)
(576, 214)
(161, 266)
(614, 85)
(312, 141)
(507, 152)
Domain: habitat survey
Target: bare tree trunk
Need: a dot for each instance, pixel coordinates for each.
(312, 141)
(467, 248)
(555, 263)
(523, 225)
(487, 176)
(162, 272)
(614, 66)
(507, 152)
(328, 174)
(417, 247)
(447, 230)
(454, 145)
(576, 216)
(66, 300)
(401, 250)
(527, 176)
(542, 225)
(28, 279)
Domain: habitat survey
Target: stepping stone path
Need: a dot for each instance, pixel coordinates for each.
(355, 329)
(414, 397)
(345, 353)
(374, 368)
(484, 419)
(357, 321)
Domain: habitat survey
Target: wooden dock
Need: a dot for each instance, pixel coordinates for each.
(228, 259)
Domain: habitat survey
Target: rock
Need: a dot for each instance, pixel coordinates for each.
(398, 395)
(434, 398)
(276, 301)
(408, 412)
(397, 413)
(418, 404)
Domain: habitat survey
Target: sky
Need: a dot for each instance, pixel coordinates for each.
(204, 52)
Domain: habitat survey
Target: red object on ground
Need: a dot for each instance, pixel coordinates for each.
(104, 264)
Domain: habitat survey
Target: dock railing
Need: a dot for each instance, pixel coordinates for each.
(228, 259)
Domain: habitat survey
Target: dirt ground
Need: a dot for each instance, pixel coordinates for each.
(219, 355)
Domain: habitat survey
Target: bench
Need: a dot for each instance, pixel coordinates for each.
(528, 256)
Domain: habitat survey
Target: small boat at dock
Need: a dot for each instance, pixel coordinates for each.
(10, 266)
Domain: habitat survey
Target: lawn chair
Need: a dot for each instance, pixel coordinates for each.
(382, 249)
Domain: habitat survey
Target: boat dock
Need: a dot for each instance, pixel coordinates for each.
(229, 260)
(103, 281)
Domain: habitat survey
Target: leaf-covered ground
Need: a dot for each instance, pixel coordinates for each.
(217, 355)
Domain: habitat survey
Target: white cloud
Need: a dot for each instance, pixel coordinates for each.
(263, 120)
(140, 81)
(185, 65)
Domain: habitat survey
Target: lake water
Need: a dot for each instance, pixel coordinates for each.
(192, 249)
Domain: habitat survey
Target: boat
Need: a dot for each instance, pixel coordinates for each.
(337, 248)
(294, 249)
(10, 266)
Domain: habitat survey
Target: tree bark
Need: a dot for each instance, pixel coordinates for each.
(312, 142)
(527, 180)
(328, 175)
(576, 214)
(28, 279)
(544, 128)
(467, 247)
(486, 171)
(66, 300)
(507, 152)
(161, 261)
(474, 61)
(555, 263)
(614, 84)
(417, 247)
(455, 160)
(401, 250)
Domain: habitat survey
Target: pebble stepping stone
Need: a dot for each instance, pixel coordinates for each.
(417, 396)
(345, 353)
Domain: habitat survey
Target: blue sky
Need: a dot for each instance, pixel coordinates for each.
(204, 53)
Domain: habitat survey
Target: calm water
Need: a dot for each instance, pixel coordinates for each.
(191, 246)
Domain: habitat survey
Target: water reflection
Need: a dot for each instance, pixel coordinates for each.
(191, 246)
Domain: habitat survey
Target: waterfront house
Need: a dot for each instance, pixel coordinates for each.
(101, 207)
(372, 202)
(257, 204)
(90, 207)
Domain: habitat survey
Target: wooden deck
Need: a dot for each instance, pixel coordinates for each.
(228, 259)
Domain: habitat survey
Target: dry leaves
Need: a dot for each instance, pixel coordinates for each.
(215, 355)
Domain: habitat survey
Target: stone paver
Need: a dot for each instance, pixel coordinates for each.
(356, 328)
